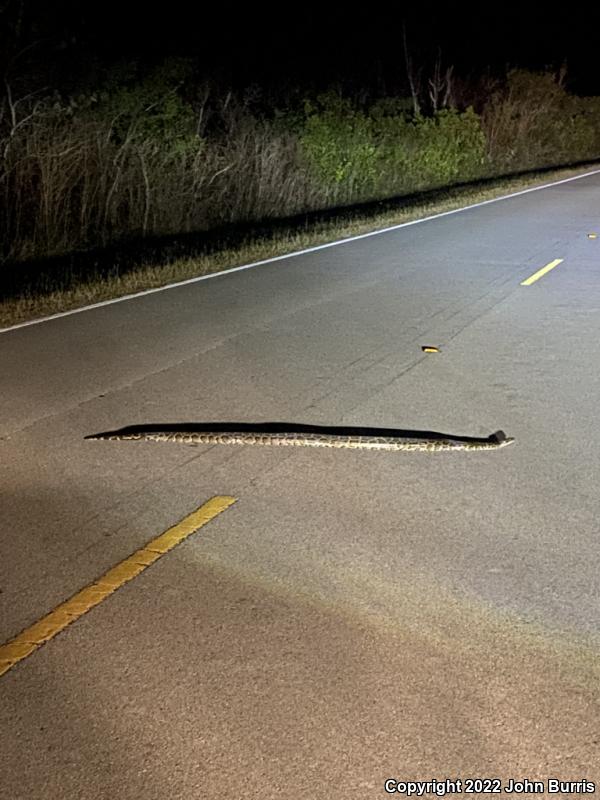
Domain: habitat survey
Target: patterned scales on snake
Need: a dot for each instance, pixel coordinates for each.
(310, 436)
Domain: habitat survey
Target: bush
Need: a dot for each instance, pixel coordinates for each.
(532, 121)
(423, 152)
(339, 147)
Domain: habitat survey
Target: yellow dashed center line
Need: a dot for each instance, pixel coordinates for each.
(537, 275)
(45, 629)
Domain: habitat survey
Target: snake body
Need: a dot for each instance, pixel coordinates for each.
(305, 438)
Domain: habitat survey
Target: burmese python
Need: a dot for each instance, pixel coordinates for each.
(294, 435)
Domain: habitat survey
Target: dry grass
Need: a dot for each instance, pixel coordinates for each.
(22, 309)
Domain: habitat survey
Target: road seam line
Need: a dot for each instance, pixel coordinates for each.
(33, 637)
(271, 260)
(537, 275)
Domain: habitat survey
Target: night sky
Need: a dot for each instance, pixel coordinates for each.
(311, 45)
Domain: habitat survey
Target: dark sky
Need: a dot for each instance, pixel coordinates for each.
(317, 44)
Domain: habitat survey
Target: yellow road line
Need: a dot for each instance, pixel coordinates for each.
(45, 629)
(536, 275)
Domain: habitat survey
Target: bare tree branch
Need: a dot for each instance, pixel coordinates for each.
(413, 78)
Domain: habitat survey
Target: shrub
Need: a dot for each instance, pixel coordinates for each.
(422, 152)
(339, 147)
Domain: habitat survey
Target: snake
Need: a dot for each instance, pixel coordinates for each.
(293, 435)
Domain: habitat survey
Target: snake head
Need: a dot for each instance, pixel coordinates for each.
(501, 439)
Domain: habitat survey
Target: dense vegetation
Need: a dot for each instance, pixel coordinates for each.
(164, 153)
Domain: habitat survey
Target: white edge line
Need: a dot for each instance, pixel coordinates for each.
(295, 253)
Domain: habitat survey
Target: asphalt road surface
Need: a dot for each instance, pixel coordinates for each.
(354, 616)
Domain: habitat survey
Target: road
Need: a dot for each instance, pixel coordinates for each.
(353, 617)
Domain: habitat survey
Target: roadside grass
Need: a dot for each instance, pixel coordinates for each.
(33, 302)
